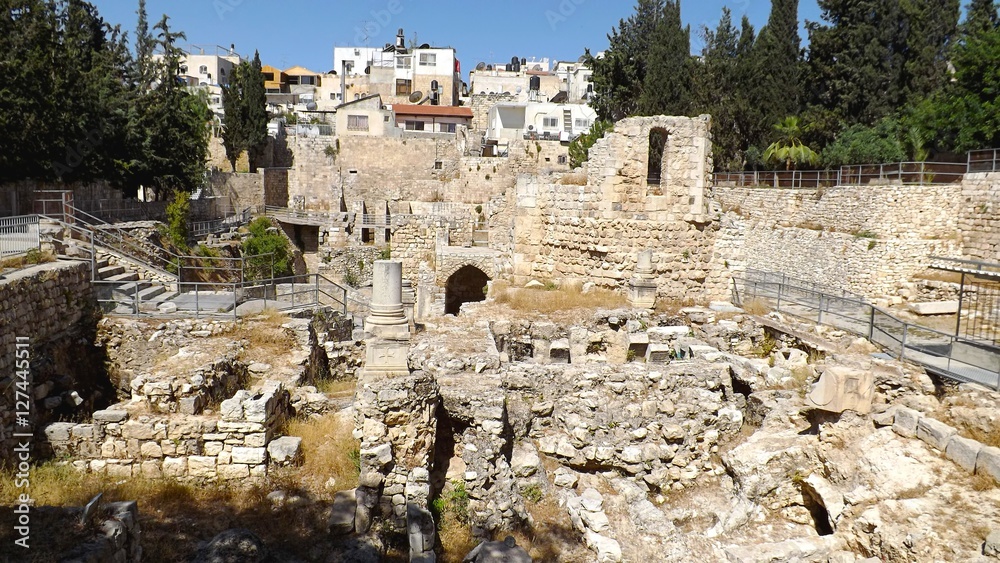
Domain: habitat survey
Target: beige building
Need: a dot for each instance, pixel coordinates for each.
(366, 117)
(431, 119)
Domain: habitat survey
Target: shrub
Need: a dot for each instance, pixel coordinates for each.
(264, 240)
(385, 253)
(579, 149)
(351, 279)
(532, 493)
(177, 219)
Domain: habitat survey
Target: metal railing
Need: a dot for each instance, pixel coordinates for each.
(204, 228)
(309, 130)
(19, 235)
(938, 352)
(317, 218)
(215, 299)
(906, 173)
(984, 160)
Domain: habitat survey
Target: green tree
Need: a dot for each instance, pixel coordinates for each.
(724, 86)
(666, 88)
(579, 148)
(861, 144)
(264, 243)
(244, 125)
(178, 212)
(789, 149)
(620, 73)
(778, 63)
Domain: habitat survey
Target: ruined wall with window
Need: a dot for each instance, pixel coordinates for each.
(590, 225)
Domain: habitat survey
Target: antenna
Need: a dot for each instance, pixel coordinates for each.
(364, 30)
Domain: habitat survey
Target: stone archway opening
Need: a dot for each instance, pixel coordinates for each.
(467, 285)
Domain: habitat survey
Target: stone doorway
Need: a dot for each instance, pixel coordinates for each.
(467, 285)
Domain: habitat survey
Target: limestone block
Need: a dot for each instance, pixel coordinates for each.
(151, 469)
(109, 416)
(174, 467)
(234, 471)
(343, 513)
(608, 550)
(841, 388)
(58, 431)
(201, 466)
(963, 452)
(988, 463)
(249, 456)
(663, 334)
(286, 450)
(934, 432)
(934, 308)
(906, 421)
(151, 450)
(659, 353)
(525, 461)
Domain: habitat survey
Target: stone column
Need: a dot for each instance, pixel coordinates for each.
(642, 288)
(396, 417)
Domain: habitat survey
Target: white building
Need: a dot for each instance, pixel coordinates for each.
(576, 79)
(539, 120)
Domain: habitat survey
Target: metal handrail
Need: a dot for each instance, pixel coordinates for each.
(933, 349)
(19, 235)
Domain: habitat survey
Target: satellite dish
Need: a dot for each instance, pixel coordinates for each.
(537, 68)
(531, 128)
(311, 106)
(481, 66)
(519, 89)
(416, 96)
(368, 70)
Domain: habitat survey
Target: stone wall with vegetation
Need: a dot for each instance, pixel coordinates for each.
(979, 216)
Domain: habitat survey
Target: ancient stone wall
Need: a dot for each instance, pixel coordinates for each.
(590, 225)
(239, 446)
(49, 305)
(276, 187)
(865, 239)
(978, 217)
(243, 190)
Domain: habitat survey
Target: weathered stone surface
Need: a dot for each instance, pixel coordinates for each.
(286, 450)
(803, 549)
(506, 551)
(841, 388)
(988, 463)
(343, 512)
(608, 550)
(991, 547)
(934, 432)
(934, 308)
(964, 452)
(906, 422)
(233, 546)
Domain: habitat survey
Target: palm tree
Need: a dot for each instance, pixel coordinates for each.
(789, 148)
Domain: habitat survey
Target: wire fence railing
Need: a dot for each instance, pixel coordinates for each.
(215, 299)
(938, 352)
(19, 235)
(984, 160)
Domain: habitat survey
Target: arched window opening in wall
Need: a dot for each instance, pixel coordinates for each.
(657, 152)
(467, 285)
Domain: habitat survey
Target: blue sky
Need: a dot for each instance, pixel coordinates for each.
(304, 32)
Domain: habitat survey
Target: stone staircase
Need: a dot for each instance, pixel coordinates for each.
(126, 288)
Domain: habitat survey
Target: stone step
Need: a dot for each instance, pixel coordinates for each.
(151, 292)
(107, 271)
(127, 277)
(103, 263)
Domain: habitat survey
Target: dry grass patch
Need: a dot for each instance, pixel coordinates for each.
(175, 516)
(330, 451)
(266, 339)
(30, 258)
(574, 179)
(756, 306)
(339, 387)
(558, 299)
(674, 306)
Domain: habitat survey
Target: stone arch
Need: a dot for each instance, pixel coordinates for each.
(465, 285)
(657, 155)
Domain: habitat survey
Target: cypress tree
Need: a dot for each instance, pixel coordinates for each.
(666, 86)
(980, 18)
(778, 63)
(255, 111)
(929, 29)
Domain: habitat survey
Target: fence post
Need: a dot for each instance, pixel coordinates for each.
(317, 290)
(135, 298)
(235, 303)
(781, 284)
(197, 306)
(871, 322)
(93, 257)
(819, 319)
(902, 349)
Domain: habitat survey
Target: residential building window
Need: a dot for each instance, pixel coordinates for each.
(414, 125)
(307, 80)
(268, 77)
(550, 122)
(404, 62)
(203, 69)
(404, 87)
(428, 59)
(293, 80)
(562, 159)
(184, 69)
(386, 119)
(438, 165)
(357, 122)
(448, 127)
(222, 72)
(582, 123)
